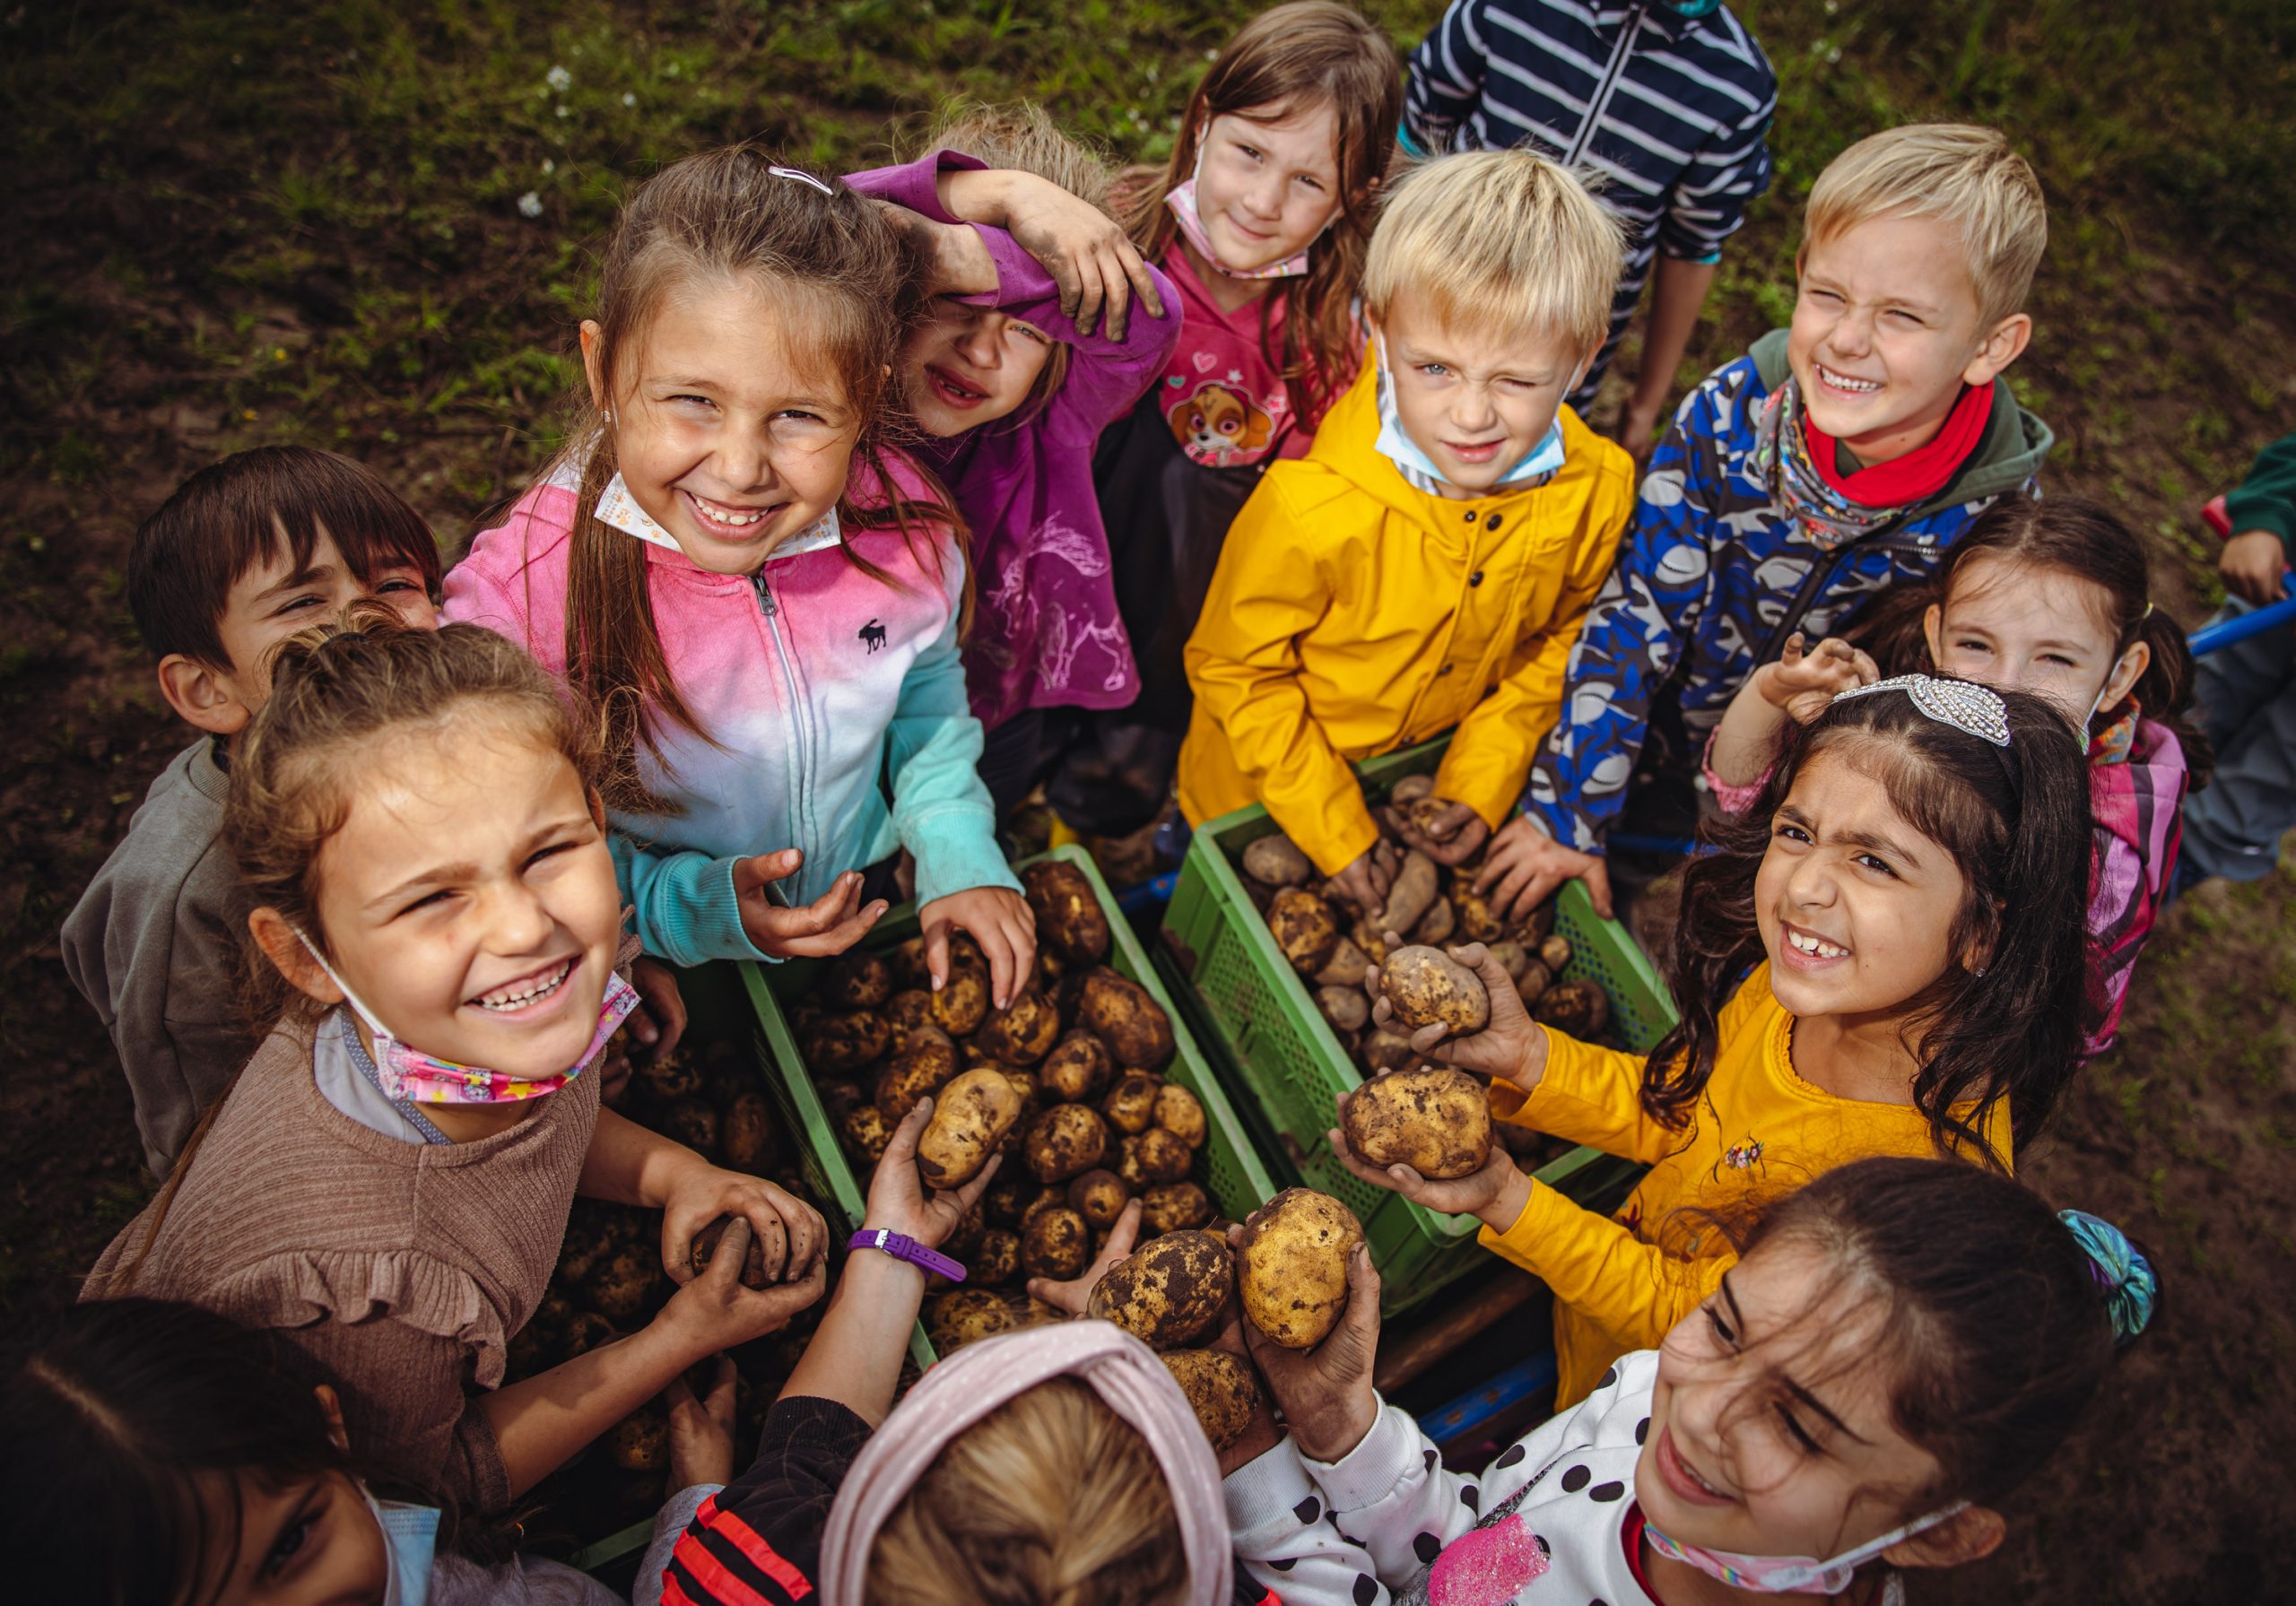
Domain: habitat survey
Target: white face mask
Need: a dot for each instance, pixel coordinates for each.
(1791, 1574)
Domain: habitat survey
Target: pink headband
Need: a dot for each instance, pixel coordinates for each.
(974, 1382)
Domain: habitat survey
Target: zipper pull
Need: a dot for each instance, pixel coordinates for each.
(765, 595)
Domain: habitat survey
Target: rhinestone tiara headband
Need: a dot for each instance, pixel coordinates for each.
(1965, 707)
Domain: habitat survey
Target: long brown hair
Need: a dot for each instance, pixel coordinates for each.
(849, 280)
(1298, 55)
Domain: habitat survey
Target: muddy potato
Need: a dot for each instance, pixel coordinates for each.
(1155, 1155)
(1181, 1113)
(904, 1012)
(1373, 943)
(1070, 921)
(1277, 862)
(579, 1255)
(855, 981)
(1124, 1015)
(836, 1045)
(1099, 1197)
(1346, 1008)
(1424, 814)
(959, 1007)
(1023, 1032)
(1476, 923)
(1220, 1390)
(1050, 972)
(1304, 929)
(1345, 967)
(967, 1316)
(1386, 1050)
(1424, 986)
(922, 1068)
(1043, 1198)
(692, 1123)
(1057, 1243)
(838, 1098)
(1433, 1119)
(1512, 957)
(971, 1116)
(705, 1247)
(1411, 893)
(1291, 1266)
(1554, 953)
(996, 1259)
(588, 1332)
(1078, 1069)
(965, 1236)
(1437, 924)
(907, 962)
(1410, 789)
(1174, 1207)
(673, 1075)
(1008, 1195)
(868, 1131)
(1532, 929)
(1065, 1142)
(1169, 1291)
(745, 1134)
(618, 1289)
(1131, 1105)
(642, 1441)
(1025, 1089)
(1578, 1008)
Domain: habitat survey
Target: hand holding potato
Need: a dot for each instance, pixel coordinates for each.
(789, 1230)
(899, 1201)
(1447, 833)
(1510, 1046)
(1494, 1195)
(1073, 1294)
(1363, 883)
(1000, 920)
(1325, 1392)
(714, 1313)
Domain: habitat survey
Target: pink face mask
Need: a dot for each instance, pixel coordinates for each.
(405, 1072)
(1790, 1575)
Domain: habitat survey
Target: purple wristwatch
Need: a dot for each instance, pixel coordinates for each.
(901, 1246)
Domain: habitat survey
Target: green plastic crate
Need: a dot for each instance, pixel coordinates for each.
(1227, 1166)
(1263, 1024)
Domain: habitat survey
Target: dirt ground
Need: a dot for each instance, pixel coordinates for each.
(228, 229)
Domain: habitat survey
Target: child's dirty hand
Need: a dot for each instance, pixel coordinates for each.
(1001, 921)
(1526, 867)
(1512, 1047)
(2254, 565)
(1364, 884)
(1326, 1393)
(701, 1427)
(830, 924)
(1805, 680)
(1494, 1195)
(1451, 838)
(1071, 1296)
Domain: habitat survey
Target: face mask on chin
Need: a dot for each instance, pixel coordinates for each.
(1791, 1574)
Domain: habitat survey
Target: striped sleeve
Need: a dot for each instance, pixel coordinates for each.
(757, 1541)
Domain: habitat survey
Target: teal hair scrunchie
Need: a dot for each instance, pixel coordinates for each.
(2126, 1278)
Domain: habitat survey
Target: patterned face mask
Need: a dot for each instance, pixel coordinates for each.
(408, 1074)
(1790, 1575)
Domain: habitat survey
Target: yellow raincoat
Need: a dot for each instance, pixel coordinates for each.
(1352, 615)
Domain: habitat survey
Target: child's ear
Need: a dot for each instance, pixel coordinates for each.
(285, 950)
(2130, 670)
(598, 806)
(2001, 345)
(1932, 630)
(1970, 1534)
(331, 1408)
(592, 356)
(203, 695)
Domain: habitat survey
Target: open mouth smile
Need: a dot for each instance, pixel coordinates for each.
(1835, 380)
(526, 990)
(1679, 1477)
(1809, 947)
(952, 391)
(725, 519)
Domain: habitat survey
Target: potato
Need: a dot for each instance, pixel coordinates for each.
(1070, 921)
(924, 1067)
(1387, 1050)
(1023, 1031)
(904, 1013)
(690, 1122)
(1410, 789)
(1181, 1114)
(1155, 1155)
(553, 1313)
(1532, 929)
(1424, 814)
(1131, 1105)
(1008, 1196)
(1477, 923)
(619, 1288)
(1346, 1008)
(1220, 1390)
(855, 981)
(1169, 1291)
(672, 1075)
(1304, 929)
(1127, 1017)
(1437, 924)
(959, 1007)
(838, 1098)
(1291, 1266)
(1099, 1197)
(1174, 1207)
(1025, 1089)
(588, 1332)
(868, 1131)
(971, 1116)
(965, 1236)
(1065, 1142)
(1077, 1068)
(1513, 956)
(967, 1316)
(642, 1441)
(996, 1259)
(1424, 986)
(836, 1045)
(579, 1255)
(704, 1248)
(907, 962)
(1554, 953)
(1345, 967)
(1433, 1119)
(745, 1134)
(1044, 1198)
(1411, 895)
(1578, 1008)
(1057, 1243)
(1277, 862)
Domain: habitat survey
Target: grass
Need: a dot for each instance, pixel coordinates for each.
(236, 225)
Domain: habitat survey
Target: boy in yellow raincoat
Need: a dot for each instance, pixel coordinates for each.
(1427, 564)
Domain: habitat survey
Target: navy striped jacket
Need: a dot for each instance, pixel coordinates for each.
(1671, 112)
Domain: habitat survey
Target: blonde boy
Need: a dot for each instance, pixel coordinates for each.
(1837, 459)
(1427, 564)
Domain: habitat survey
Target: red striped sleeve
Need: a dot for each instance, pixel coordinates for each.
(720, 1560)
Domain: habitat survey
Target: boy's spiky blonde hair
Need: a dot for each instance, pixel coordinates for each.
(1498, 240)
(1964, 177)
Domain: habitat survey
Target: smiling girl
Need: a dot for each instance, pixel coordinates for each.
(387, 1181)
(1262, 220)
(1902, 1344)
(2050, 597)
(1878, 958)
(762, 595)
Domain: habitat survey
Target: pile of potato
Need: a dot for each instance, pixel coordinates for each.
(1063, 1082)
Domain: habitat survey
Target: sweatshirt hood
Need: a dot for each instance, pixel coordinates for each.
(2015, 444)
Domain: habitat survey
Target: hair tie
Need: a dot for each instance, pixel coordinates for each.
(2127, 1279)
(2146, 614)
(801, 177)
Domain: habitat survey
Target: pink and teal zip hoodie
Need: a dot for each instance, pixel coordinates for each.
(812, 679)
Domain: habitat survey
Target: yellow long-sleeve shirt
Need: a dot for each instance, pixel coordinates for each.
(1760, 1132)
(1352, 615)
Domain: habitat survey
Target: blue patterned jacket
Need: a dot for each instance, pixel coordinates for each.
(1712, 578)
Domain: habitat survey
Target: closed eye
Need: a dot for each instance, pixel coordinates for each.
(426, 901)
(1722, 1329)
(1793, 1427)
(697, 400)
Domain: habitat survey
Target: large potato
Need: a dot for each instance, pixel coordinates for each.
(1435, 1120)
(1070, 921)
(907, 962)
(1424, 986)
(966, 1316)
(855, 981)
(704, 1249)
(1065, 1142)
(1579, 1009)
(1277, 862)
(1304, 929)
(1023, 1031)
(1168, 1292)
(837, 1044)
(959, 1007)
(971, 1117)
(1411, 894)
(745, 1134)
(1131, 1105)
(1124, 1015)
(917, 1071)
(1291, 1266)
(1057, 1243)
(1181, 1114)
(1174, 1207)
(1099, 1197)
(1155, 1155)
(1078, 1069)
(1220, 1390)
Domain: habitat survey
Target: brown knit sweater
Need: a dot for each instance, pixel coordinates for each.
(403, 1268)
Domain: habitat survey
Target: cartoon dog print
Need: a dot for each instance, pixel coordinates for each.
(1218, 423)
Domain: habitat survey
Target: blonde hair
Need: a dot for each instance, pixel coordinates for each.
(1963, 176)
(1049, 1501)
(1498, 240)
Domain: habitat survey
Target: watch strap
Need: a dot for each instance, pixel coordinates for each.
(901, 1246)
